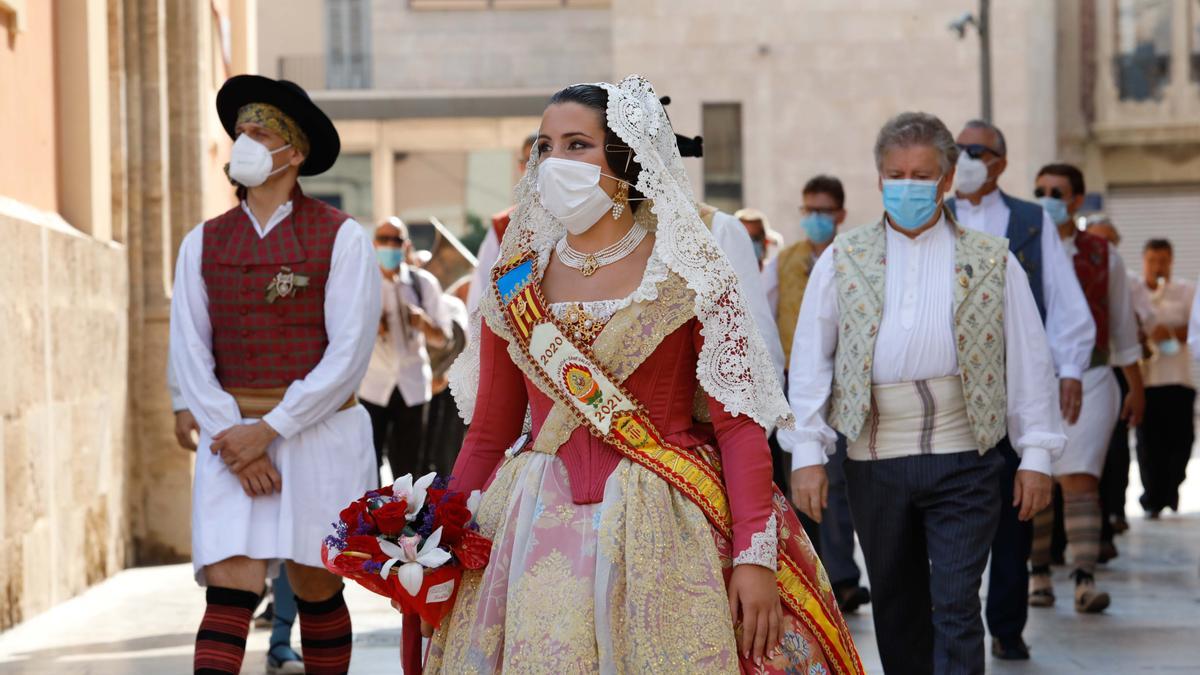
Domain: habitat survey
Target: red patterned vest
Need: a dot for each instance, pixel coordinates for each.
(256, 343)
(1091, 267)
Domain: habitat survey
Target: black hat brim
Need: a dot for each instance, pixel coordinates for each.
(323, 140)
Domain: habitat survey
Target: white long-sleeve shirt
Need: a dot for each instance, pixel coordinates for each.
(400, 359)
(351, 305)
(1068, 321)
(489, 251)
(1123, 346)
(916, 342)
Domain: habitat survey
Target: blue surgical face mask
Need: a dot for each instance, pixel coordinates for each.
(389, 258)
(910, 203)
(1056, 209)
(818, 226)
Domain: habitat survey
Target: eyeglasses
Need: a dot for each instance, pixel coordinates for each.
(825, 211)
(1054, 193)
(976, 150)
(385, 240)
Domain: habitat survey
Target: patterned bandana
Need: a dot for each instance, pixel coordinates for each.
(276, 120)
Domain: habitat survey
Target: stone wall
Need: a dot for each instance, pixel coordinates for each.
(816, 80)
(64, 425)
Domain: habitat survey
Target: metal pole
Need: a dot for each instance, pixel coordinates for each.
(985, 60)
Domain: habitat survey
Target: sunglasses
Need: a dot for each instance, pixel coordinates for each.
(1054, 193)
(976, 150)
(384, 240)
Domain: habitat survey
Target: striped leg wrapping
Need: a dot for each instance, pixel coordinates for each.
(221, 641)
(325, 635)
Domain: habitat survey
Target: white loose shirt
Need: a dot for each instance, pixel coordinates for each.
(399, 362)
(1172, 307)
(1068, 321)
(351, 311)
(916, 342)
(489, 251)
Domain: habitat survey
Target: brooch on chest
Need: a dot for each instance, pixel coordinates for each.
(284, 284)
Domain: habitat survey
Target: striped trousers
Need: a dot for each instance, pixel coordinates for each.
(926, 524)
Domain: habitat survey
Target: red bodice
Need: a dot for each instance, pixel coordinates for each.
(665, 384)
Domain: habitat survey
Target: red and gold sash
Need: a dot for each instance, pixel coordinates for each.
(568, 372)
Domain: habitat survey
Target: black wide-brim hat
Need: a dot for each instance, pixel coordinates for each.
(323, 140)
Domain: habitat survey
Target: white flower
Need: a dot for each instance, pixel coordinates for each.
(473, 502)
(413, 562)
(413, 493)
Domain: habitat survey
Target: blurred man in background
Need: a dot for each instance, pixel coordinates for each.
(399, 380)
(1164, 442)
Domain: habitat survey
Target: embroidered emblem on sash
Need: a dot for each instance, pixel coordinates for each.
(580, 383)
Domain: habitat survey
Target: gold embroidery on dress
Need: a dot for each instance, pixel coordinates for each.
(658, 546)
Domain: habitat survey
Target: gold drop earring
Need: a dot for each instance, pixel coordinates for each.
(620, 200)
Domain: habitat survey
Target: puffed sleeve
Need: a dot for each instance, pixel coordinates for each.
(746, 460)
(499, 414)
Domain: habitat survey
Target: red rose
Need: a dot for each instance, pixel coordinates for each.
(452, 515)
(350, 515)
(390, 518)
(364, 543)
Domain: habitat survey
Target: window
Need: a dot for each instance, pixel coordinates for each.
(348, 34)
(722, 129)
(1143, 61)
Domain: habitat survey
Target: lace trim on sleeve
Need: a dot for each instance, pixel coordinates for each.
(763, 549)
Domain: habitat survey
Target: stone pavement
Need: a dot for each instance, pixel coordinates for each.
(142, 621)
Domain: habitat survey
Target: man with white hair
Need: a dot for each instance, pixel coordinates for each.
(924, 347)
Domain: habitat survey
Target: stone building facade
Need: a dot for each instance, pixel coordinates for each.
(112, 152)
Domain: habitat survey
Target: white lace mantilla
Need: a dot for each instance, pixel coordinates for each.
(734, 366)
(763, 549)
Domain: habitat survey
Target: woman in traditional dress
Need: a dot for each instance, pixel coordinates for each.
(619, 543)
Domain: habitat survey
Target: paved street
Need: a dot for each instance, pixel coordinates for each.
(142, 621)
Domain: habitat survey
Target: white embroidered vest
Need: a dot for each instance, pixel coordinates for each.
(860, 257)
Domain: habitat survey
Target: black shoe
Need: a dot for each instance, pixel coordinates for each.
(850, 597)
(1108, 551)
(1010, 649)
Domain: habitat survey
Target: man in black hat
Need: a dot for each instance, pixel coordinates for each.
(273, 318)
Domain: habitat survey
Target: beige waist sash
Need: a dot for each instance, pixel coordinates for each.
(923, 417)
(255, 403)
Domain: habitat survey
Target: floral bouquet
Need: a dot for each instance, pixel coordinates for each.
(409, 542)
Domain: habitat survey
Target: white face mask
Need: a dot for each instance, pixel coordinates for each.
(970, 175)
(571, 191)
(250, 161)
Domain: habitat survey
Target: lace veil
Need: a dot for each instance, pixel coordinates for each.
(734, 366)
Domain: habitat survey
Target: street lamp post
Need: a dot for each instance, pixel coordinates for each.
(982, 23)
